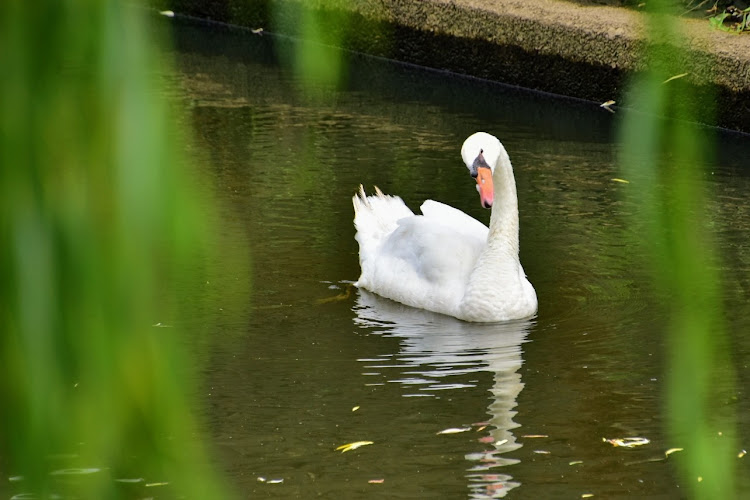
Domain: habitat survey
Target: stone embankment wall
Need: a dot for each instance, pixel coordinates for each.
(566, 48)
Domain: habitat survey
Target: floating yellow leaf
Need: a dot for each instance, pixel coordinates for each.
(534, 436)
(353, 446)
(355, 408)
(575, 462)
(149, 485)
(672, 450)
(675, 77)
(454, 430)
(376, 481)
(741, 454)
(336, 298)
(606, 105)
(621, 180)
(587, 495)
(628, 442)
(481, 428)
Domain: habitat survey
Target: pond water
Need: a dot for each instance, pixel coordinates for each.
(301, 363)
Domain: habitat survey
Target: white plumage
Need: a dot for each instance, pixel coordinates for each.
(444, 260)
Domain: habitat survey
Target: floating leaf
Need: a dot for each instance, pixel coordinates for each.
(621, 180)
(355, 408)
(502, 442)
(257, 31)
(454, 430)
(151, 485)
(336, 298)
(575, 462)
(741, 454)
(275, 481)
(542, 452)
(352, 446)
(606, 105)
(481, 428)
(534, 436)
(167, 13)
(587, 495)
(376, 481)
(672, 450)
(628, 442)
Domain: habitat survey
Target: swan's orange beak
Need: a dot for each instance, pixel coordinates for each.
(485, 187)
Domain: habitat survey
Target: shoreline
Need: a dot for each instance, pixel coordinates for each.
(583, 51)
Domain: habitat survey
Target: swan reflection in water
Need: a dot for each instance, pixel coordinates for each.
(436, 347)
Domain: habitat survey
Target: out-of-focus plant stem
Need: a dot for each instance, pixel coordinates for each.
(98, 221)
(664, 161)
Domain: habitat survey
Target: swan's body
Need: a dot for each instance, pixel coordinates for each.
(444, 260)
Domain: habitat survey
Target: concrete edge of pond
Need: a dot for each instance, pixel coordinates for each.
(570, 49)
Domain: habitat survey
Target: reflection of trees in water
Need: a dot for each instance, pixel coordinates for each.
(436, 349)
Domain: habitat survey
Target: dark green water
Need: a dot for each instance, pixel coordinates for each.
(287, 367)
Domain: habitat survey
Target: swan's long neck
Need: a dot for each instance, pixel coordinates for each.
(497, 280)
(503, 235)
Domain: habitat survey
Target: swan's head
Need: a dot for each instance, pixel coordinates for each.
(481, 152)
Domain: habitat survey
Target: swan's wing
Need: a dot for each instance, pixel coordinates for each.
(455, 218)
(425, 262)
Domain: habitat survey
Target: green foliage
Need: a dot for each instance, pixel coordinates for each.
(738, 20)
(316, 58)
(663, 159)
(98, 222)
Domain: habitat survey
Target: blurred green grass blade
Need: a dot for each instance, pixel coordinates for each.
(665, 158)
(100, 219)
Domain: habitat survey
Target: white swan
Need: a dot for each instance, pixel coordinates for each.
(444, 260)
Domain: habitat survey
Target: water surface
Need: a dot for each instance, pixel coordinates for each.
(296, 352)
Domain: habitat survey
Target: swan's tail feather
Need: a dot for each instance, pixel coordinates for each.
(375, 218)
(360, 201)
